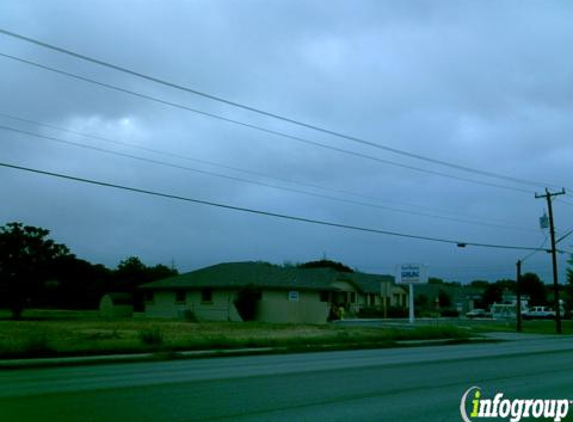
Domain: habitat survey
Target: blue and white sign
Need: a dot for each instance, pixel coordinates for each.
(293, 296)
(411, 274)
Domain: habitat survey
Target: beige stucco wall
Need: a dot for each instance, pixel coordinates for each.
(221, 308)
(276, 307)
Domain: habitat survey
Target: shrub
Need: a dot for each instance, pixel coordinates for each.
(453, 313)
(189, 316)
(37, 346)
(151, 337)
(246, 302)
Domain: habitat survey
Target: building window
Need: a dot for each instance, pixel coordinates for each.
(352, 297)
(148, 297)
(180, 296)
(324, 296)
(206, 296)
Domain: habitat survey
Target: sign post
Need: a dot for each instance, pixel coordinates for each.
(411, 274)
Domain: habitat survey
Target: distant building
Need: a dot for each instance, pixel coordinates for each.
(462, 298)
(287, 294)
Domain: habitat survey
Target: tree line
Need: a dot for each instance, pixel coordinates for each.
(35, 271)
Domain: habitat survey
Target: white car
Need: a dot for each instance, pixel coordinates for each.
(539, 312)
(477, 313)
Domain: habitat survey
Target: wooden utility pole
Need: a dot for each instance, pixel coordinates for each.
(548, 196)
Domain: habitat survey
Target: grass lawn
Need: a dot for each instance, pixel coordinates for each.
(69, 333)
(531, 326)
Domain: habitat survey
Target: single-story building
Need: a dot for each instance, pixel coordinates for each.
(379, 291)
(287, 294)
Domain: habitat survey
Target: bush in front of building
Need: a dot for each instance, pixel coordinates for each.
(246, 302)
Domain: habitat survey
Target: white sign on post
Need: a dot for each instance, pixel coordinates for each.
(411, 274)
(293, 296)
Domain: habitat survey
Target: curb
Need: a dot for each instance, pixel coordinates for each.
(32, 363)
(130, 358)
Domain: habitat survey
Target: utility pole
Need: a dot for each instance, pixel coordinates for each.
(518, 296)
(548, 195)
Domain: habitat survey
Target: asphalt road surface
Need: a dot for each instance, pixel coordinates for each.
(407, 384)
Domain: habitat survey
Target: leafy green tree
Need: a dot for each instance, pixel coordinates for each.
(532, 286)
(27, 258)
(246, 302)
(327, 263)
(444, 299)
(421, 301)
(493, 293)
(479, 284)
(77, 284)
(130, 273)
(160, 271)
(435, 280)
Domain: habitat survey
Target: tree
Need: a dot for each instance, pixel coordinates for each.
(327, 263)
(479, 284)
(130, 273)
(532, 286)
(444, 299)
(435, 280)
(421, 301)
(246, 302)
(27, 257)
(160, 271)
(493, 294)
(77, 284)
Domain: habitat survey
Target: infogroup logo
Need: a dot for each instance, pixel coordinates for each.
(514, 409)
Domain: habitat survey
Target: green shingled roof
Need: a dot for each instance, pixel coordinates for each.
(370, 283)
(262, 274)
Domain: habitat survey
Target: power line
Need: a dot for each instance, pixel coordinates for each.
(497, 223)
(562, 201)
(267, 113)
(529, 255)
(259, 212)
(259, 128)
(249, 181)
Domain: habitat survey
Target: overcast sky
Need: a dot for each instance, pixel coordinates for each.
(485, 85)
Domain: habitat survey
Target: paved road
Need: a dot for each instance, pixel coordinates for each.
(411, 384)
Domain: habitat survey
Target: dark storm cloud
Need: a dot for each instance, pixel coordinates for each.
(479, 84)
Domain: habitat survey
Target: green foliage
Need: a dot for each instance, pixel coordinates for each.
(246, 302)
(327, 263)
(532, 286)
(444, 299)
(421, 301)
(37, 272)
(435, 280)
(132, 272)
(37, 346)
(480, 284)
(27, 259)
(189, 316)
(492, 294)
(152, 337)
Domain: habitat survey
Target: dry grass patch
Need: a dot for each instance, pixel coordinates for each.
(64, 335)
